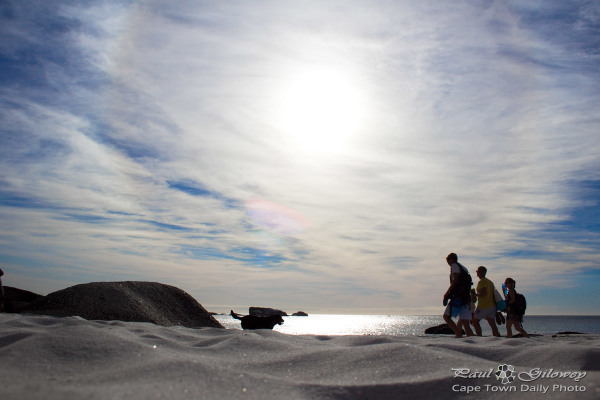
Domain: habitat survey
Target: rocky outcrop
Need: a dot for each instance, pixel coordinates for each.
(126, 301)
(265, 312)
(299, 314)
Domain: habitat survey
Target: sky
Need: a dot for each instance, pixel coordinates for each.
(315, 156)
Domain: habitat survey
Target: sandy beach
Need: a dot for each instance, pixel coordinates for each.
(45, 357)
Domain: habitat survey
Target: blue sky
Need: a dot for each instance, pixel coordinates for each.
(317, 156)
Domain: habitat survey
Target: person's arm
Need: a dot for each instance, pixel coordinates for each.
(455, 277)
(511, 296)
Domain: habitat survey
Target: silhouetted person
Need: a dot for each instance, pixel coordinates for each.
(1, 292)
(486, 304)
(514, 317)
(457, 298)
(472, 305)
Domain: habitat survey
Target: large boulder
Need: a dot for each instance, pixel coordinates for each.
(17, 300)
(126, 301)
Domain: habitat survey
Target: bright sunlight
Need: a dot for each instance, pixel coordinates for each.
(320, 111)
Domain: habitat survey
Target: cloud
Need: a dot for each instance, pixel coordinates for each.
(145, 141)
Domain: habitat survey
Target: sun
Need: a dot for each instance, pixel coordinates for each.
(320, 110)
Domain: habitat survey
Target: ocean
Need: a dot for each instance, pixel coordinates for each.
(415, 325)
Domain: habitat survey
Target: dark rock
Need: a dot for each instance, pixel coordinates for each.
(16, 307)
(442, 329)
(265, 312)
(570, 333)
(14, 294)
(126, 301)
(518, 335)
(300, 314)
(17, 300)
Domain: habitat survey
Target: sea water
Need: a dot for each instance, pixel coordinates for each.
(332, 324)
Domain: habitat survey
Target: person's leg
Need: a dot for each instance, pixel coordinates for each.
(519, 328)
(477, 327)
(457, 331)
(461, 326)
(492, 323)
(479, 315)
(468, 330)
(464, 316)
(509, 325)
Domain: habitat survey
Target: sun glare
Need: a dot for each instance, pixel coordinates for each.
(320, 110)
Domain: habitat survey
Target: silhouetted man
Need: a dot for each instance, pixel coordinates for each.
(457, 298)
(486, 304)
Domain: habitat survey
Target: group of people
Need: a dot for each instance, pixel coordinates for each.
(459, 297)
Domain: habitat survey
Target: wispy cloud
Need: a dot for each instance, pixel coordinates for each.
(147, 140)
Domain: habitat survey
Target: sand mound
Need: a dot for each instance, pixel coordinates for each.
(126, 301)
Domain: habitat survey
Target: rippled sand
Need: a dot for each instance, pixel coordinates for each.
(45, 357)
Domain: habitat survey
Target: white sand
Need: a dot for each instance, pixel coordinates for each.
(70, 358)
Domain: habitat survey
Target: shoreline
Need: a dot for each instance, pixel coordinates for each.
(413, 325)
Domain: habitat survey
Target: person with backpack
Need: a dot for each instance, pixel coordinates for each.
(515, 308)
(457, 298)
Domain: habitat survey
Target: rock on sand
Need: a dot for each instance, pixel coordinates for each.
(126, 301)
(17, 300)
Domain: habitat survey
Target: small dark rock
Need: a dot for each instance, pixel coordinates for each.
(518, 335)
(300, 314)
(265, 312)
(442, 329)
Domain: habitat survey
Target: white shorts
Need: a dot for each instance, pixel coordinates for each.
(458, 310)
(485, 313)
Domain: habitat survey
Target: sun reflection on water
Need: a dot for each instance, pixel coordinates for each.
(338, 324)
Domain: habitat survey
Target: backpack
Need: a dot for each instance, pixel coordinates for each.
(519, 306)
(462, 290)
